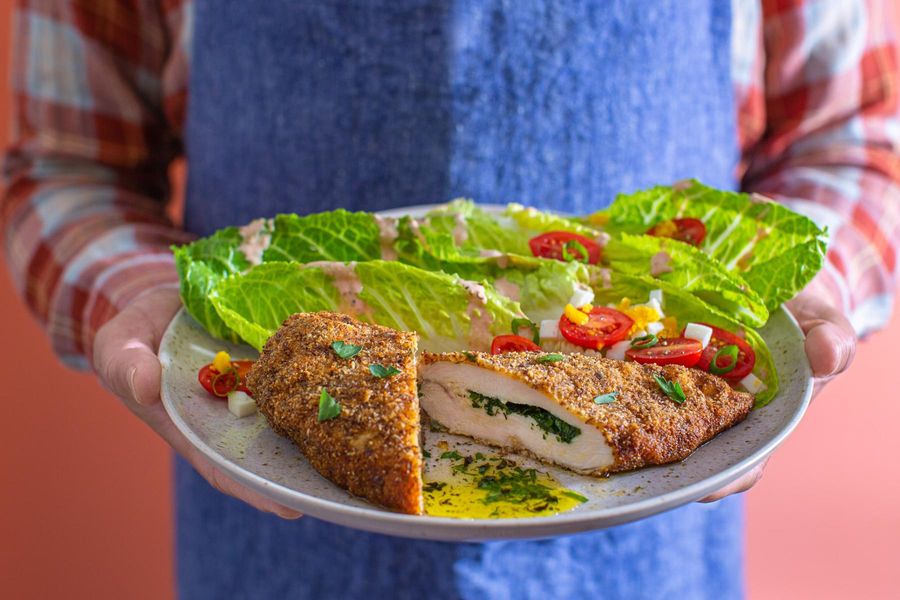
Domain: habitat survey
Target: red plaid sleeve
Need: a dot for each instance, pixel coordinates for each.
(99, 92)
(820, 128)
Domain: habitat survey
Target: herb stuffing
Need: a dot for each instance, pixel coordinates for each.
(549, 424)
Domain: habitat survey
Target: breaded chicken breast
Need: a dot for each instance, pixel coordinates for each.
(371, 447)
(587, 413)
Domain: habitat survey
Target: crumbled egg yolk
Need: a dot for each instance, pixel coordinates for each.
(587, 308)
(575, 315)
(641, 315)
(222, 362)
(670, 327)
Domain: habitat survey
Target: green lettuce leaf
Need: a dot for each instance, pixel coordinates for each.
(691, 271)
(201, 265)
(686, 308)
(449, 313)
(776, 250)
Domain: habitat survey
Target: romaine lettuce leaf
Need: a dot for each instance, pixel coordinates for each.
(776, 250)
(690, 270)
(448, 312)
(686, 307)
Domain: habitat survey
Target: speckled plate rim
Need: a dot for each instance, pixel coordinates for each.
(453, 529)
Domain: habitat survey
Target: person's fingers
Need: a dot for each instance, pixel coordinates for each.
(125, 348)
(741, 484)
(830, 338)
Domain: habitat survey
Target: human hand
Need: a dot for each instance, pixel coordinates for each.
(126, 362)
(830, 347)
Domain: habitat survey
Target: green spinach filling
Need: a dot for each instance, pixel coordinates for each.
(548, 423)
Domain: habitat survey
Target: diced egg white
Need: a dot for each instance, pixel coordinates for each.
(550, 330)
(655, 327)
(240, 404)
(581, 296)
(753, 384)
(696, 331)
(617, 350)
(656, 305)
(656, 295)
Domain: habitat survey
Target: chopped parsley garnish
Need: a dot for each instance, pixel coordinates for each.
(549, 358)
(329, 408)
(469, 356)
(345, 350)
(574, 495)
(519, 323)
(672, 389)
(426, 453)
(381, 371)
(547, 422)
(608, 398)
(453, 454)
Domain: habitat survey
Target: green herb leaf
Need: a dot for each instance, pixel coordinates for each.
(381, 371)
(329, 408)
(606, 398)
(345, 350)
(470, 357)
(645, 341)
(451, 454)
(672, 389)
(519, 323)
(731, 352)
(550, 358)
(574, 495)
(426, 453)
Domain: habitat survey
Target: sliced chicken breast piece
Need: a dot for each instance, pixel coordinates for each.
(371, 448)
(548, 409)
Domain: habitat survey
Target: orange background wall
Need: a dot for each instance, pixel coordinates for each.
(85, 490)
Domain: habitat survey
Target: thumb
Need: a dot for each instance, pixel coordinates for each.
(125, 347)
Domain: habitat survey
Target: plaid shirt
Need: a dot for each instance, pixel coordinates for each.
(100, 90)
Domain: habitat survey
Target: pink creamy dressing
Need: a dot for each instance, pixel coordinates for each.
(659, 264)
(460, 231)
(256, 237)
(602, 239)
(387, 235)
(502, 259)
(344, 278)
(480, 319)
(601, 276)
(507, 288)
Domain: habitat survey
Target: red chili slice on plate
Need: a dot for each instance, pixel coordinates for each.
(565, 246)
(688, 230)
(668, 351)
(746, 357)
(605, 326)
(513, 343)
(219, 384)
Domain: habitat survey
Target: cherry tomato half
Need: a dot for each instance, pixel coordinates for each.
(668, 351)
(605, 326)
(565, 246)
(219, 385)
(687, 230)
(513, 343)
(721, 338)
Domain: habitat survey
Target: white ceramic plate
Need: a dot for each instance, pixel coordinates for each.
(251, 453)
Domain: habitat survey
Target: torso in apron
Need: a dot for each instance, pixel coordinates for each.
(303, 106)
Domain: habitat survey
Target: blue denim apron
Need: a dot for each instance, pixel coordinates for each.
(371, 104)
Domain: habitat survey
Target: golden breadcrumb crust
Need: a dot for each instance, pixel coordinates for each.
(643, 426)
(372, 448)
